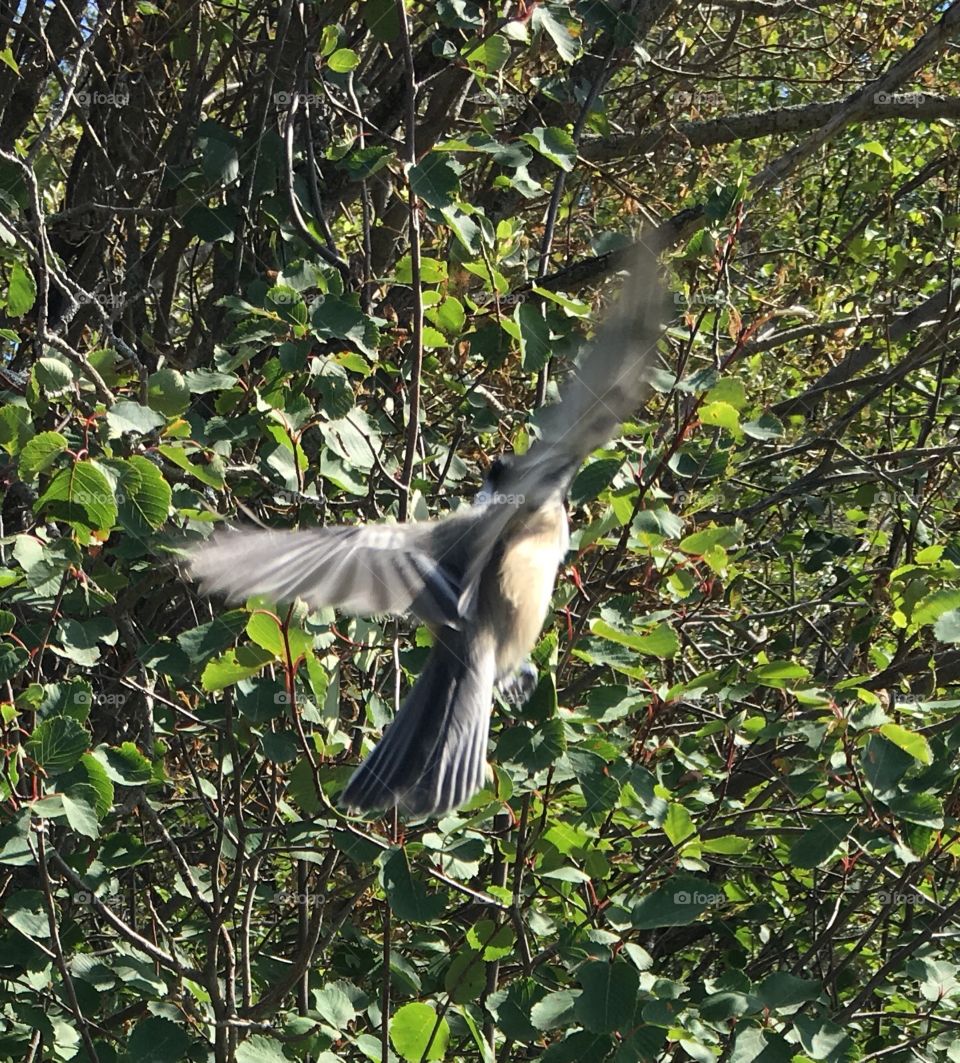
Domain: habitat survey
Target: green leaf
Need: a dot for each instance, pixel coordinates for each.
(679, 901)
(13, 659)
(24, 911)
(678, 826)
(434, 180)
(333, 1003)
(947, 626)
(53, 375)
(609, 996)
(211, 224)
(167, 392)
(465, 978)
(129, 416)
(783, 990)
(554, 1011)
(15, 428)
(124, 764)
(408, 898)
(721, 415)
(80, 805)
(661, 642)
(40, 453)
(150, 501)
(210, 473)
(21, 291)
(818, 844)
(533, 748)
(333, 316)
(777, 673)
(534, 337)
(934, 605)
(593, 478)
(6, 57)
(821, 1039)
(343, 60)
(766, 426)
(99, 781)
(554, 144)
(700, 542)
(909, 741)
(234, 665)
(80, 495)
(548, 17)
(412, 1032)
(493, 54)
(159, 1040)
(57, 744)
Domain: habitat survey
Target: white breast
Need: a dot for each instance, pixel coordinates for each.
(528, 572)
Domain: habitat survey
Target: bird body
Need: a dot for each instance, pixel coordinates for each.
(481, 579)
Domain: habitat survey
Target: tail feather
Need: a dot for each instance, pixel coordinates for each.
(433, 756)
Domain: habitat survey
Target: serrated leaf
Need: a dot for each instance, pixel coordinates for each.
(153, 496)
(57, 744)
(156, 1039)
(434, 180)
(909, 741)
(40, 453)
(53, 375)
(545, 17)
(554, 144)
(409, 898)
(81, 495)
(234, 665)
(80, 805)
(609, 996)
(816, 845)
(167, 392)
(933, 606)
(21, 291)
(124, 764)
(661, 641)
(492, 54)
(947, 626)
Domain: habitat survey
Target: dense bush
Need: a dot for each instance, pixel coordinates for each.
(319, 263)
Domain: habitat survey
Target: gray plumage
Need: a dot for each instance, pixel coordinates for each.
(481, 579)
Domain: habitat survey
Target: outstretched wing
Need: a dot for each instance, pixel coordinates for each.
(610, 381)
(403, 568)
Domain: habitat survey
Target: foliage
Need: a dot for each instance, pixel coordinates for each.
(319, 264)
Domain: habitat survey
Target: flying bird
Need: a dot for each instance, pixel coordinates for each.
(481, 578)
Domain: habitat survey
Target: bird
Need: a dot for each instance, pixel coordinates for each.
(481, 578)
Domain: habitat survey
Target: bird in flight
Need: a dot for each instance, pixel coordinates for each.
(481, 579)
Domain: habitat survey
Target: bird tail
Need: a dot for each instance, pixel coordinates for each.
(432, 757)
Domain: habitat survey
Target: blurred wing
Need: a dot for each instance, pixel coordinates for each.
(368, 570)
(609, 383)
